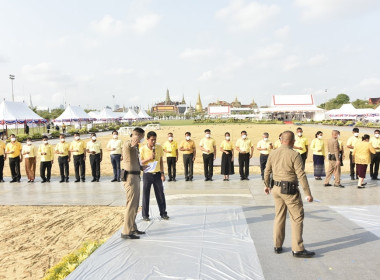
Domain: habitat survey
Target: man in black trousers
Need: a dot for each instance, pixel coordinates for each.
(94, 148)
(208, 147)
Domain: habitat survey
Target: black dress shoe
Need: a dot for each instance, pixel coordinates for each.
(83, 180)
(62, 181)
(67, 180)
(206, 179)
(165, 217)
(43, 181)
(352, 178)
(2, 181)
(210, 179)
(328, 185)
(146, 219)
(113, 180)
(374, 178)
(97, 180)
(130, 236)
(364, 184)
(191, 179)
(13, 181)
(118, 180)
(76, 181)
(138, 232)
(187, 179)
(361, 187)
(174, 180)
(93, 180)
(48, 181)
(303, 254)
(278, 250)
(246, 178)
(170, 179)
(241, 178)
(339, 186)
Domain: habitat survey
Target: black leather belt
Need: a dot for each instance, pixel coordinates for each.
(134, 172)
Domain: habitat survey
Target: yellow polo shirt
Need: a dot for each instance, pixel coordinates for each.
(264, 144)
(117, 144)
(352, 141)
(15, 147)
(2, 147)
(31, 149)
(48, 149)
(375, 143)
(340, 142)
(145, 153)
(208, 144)
(94, 147)
(316, 145)
(188, 145)
(301, 142)
(277, 144)
(171, 148)
(244, 145)
(77, 145)
(227, 145)
(62, 148)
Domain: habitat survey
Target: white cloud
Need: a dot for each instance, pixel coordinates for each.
(291, 62)
(330, 9)
(373, 82)
(317, 60)
(206, 76)
(145, 23)
(268, 52)
(246, 16)
(89, 43)
(46, 74)
(108, 26)
(3, 59)
(287, 84)
(121, 71)
(282, 32)
(352, 49)
(61, 41)
(196, 53)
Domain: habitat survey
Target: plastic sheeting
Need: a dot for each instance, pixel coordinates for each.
(196, 243)
(367, 217)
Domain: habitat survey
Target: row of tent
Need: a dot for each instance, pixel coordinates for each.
(349, 112)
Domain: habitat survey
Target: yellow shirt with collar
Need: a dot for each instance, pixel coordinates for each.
(264, 144)
(188, 145)
(352, 141)
(77, 145)
(117, 144)
(48, 149)
(2, 147)
(208, 144)
(171, 148)
(244, 145)
(301, 142)
(375, 142)
(316, 145)
(341, 143)
(31, 149)
(227, 145)
(15, 147)
(62, 148)
(94, 146)
(146, 153)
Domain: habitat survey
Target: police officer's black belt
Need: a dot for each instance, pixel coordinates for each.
(133, 172)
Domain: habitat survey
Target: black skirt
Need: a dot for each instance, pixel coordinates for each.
(227, 166)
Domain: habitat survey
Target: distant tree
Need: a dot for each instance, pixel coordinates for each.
(336, 103)
(362, 103)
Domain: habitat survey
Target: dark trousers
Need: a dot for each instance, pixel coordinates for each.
(63, 163)
(188, 165)
(115, 160)
(244, 165)
(148, 180)
(45, 170)
(80, 164)
(208, 165)
(374, 167)
(14, 165)
(303, 157)
(1, 167)
(352, 166)
(172, 162)
(263, 163)
(95, 166)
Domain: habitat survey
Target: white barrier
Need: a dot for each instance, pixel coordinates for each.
(127, 130)
(152, 126)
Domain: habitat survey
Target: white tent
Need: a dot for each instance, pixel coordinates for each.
(131, 115)
(93, 114)
(106, 115)
(144, 115)
(349, 112)
(73, 115)
(14, 113)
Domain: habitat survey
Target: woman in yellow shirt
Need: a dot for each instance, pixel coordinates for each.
(318, 148)
(227, 149)
(362, 157)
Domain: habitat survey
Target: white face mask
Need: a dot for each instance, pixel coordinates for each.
(63, 140)
(244, 136)
(227, 137)
(142, 140)
(13, 139)
(45, 141)
(77, 137)
(188, 137)
(377, 135)
(93, 138)
(265, 139)
(115, 136)
(299, 134)
(320, 136)
(208, 135)
(28, 143)
(170, 138)
(356, 134)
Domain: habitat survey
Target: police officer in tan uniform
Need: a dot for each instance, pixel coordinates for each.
(285, 165)
(132, 184)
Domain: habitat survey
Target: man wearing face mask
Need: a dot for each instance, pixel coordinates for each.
(132, 183)
(351, 142)
(189, 150)
(208, 147)
(245, 148)
(46, 152)
(13, 151)
(375, 158)
(94, 148)
(29, 153)
(171, 149)
(3, 157)
(62, 149)
(301, 146)
(115, 146)
(264, 146)
(77, 149)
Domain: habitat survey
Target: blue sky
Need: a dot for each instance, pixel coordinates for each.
(86, 51)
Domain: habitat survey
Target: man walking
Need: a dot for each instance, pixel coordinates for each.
(170, 148)
(94, 148)
(62, 149)
(77, 149)
(115, 146)
(264, 146)
(245, 148)
(46, 152)
(286, 167)
(351, 142)
(208, 147)
(375, 158)
(334, 160)
(189, 153)
(13, 152)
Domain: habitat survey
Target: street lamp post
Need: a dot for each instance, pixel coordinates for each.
(12, 77)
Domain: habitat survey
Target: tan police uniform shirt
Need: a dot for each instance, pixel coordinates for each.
(333, 147)
(131, 157)
(286, 165)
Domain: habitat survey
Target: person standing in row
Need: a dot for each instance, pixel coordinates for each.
(285, 165)
(264, 146)
(46, 152)
(277, 144)
(132, 184)
(227, 164)
(341, 149)
(150, 153)
(208, 147)
(171, 151)
(94, 148)
(318, 147)
(115, 146)
(351, 142)
(13, 151)
(362, 157)
(3, 157)
(375, 159)
(334, 162)
(62, 149)
(78, 150)
(245, 148)
(302, 146)
(29, 153)
(189, 150)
